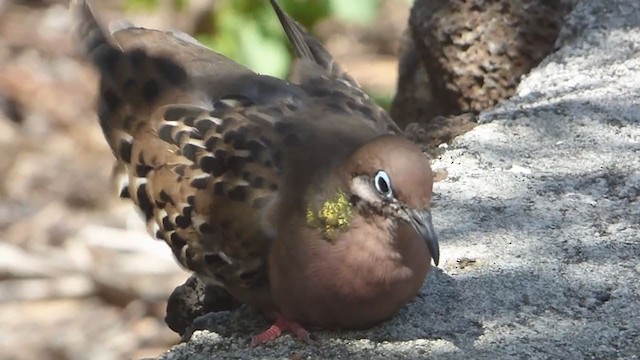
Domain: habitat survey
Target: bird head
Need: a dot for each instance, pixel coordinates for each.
(391, 176)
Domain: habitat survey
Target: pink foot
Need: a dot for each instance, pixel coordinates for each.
(281, 324)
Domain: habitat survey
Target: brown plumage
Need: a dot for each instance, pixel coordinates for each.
(296, 196)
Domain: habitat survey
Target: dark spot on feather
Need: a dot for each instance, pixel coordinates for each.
(218, 189)
(221, 106)
(150, 90)
(246, 175)
(277, 159)
(183, 221)
(209, 164)
(220, 154)
(124, 151)
(189, 256)
(189, 151)
(225, 224)
(210, 144)
(228, 136)
(143, 201)
(136, 57)
(143, 170)
(177, 241)
(337, 107)
(235, 163)
(257, 182)
(259, 203)
(111, 100)
(319, 90)
(216, 113)
(187, 211)
(108, 61)
(254, 148)
(214, 260)
(164, 196)
(128, 84)
(175, 113)
(205, 228)
(179, 169)
(238, 193)
(172, 72)
(283, 128)
(239, 142)
(226, 122)
(273, 187)
(219, 168)
(189, 120)
(160, 234)
(191, 200)
(203, 125)
(180, 136)
(124, 193)
(195, 134)
(353, 105)
(167, 224)
(200, 183)
(253, 277)
(160, 205)
(367, 111)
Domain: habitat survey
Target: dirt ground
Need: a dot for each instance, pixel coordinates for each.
(79, 276)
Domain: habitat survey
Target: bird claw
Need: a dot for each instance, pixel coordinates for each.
(280, 325)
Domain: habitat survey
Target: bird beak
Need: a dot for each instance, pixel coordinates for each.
(420, 220)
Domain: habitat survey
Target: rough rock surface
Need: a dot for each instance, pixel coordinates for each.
(538, 220)
(467, 55)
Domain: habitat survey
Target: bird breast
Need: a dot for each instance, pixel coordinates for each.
(361, 277)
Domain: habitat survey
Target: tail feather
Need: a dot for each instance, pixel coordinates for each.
(91, 38)
(306, 46)
(315, 62)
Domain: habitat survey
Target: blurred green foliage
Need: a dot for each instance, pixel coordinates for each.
(248, 31)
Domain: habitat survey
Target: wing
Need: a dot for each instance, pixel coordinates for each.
(193, 151)
(321, 76)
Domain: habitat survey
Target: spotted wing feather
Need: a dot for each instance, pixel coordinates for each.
(194, 155)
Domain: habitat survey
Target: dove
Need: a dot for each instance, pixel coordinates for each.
(299, 197)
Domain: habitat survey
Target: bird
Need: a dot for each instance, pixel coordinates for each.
(298, 196)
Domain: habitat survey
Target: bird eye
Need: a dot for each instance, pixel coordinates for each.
(383, 184)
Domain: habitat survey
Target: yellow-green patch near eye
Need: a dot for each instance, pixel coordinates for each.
(335, 214)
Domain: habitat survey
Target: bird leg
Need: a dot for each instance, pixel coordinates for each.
(281, 324)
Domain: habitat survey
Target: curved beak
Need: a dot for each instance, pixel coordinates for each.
(420, 220)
